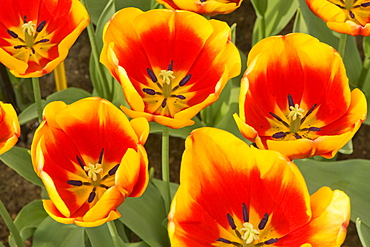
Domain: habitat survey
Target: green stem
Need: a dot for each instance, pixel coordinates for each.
(95, 52)
(342, 44)
(364, 72)
(114, 233)
(166, 167)
(10, 224)
(37, 95)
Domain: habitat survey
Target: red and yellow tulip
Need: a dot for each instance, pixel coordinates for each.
(234, 195)
(36, 35)
(90, 158)
(10, 129)
(344, 16)
(204, 7)
(295, 98)
(171, 64)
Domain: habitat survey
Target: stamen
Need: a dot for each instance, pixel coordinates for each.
(149, 91)
(151, 75)
(101, 156)
(24, 19)
(42, 41)
(113, 170)
(279, 119)
(297, 136)
(103, 186)
(308, 112)
(245, 213)
(40, 26)
(13, 34)
(202, 1)
(223, 240)
(75, 182)
(290, 101)
(314, 129)
(279, 135)
(263, 222)
(80, 162)
(271, 241)
(351, 14)
(231, 221)
(185, 80)
(170, 67)
(166, 75)
(19, 46)
(164, 102)
(179, 96)
(91, 197)
(365, 4)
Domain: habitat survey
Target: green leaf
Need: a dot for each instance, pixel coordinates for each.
(19, 159)
(363, 231)
(68, 95)
(51, 233)
(138, 244)
(160, 185)
(347, 149)
(350, 176)
(29, 113)
(95, 8)
(144, 216)
(28, 219)
(99, 236)
(105, 16)
(144, 5)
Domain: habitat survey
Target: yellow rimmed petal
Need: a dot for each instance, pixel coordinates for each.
(113, 215)
(10, 127)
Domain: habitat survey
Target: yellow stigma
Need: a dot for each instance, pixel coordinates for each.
(295, 112)
(93, 170)
(166, 76)
(248, 233)
(29, 28)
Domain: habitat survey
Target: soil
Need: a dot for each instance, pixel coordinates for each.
(16, 192)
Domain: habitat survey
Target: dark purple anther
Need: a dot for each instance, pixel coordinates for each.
(74, 182)
(185, 80)
(101, 156)
(91, 197)
(279, 135)
(231, 221)
(151, 75)
(276, 116)
(224, 241)
(202, 1)
(40, 26)
(42, 41)
(25, 18)
(311, 110)
(351, 14)
(18, 46)
(271, 241)
(170, 67)
(103, 186)
(245, 213)
(180, 96)
(80, 162)
(149, 91)
(365, 4)
(113, 170)
(13, 34)
(290, 100)
(314, 129)
(164, 102)
(263, 222)
(297, 136)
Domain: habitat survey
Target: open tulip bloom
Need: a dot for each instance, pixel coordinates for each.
(35, 35)
(344, 16)
(234, 195)
(90, 158)
(295, 98)
(171, 64)
(205, 7)
(10, 129)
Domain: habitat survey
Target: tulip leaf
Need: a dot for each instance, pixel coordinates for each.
(160, 185)
(347, 149)
(29, 113)
(68, 95)
(28, 219)
(144, 5)
(19, 159)
(144, 216)
(363, 231)
(317, 28)
(272, 17)
(99, 236)
(350, 176)
(51, 233)
(95, 8)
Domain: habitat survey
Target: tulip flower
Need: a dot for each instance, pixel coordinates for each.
(344, 16)
(295, 98)
(10, 129)
(235, 195)
(171, 64)
(35, 35)
(90, 158)
(204, 7)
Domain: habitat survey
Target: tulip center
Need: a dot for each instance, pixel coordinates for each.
(296, 117)
(247, 234)
(352, 9)
(165, 89)
(28, 39)
(95, 177)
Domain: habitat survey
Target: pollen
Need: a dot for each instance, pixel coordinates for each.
(93, 170)
(29, 27)
(295, 111)
(167, 76)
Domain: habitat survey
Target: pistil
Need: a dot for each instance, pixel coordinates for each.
(29, 30)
